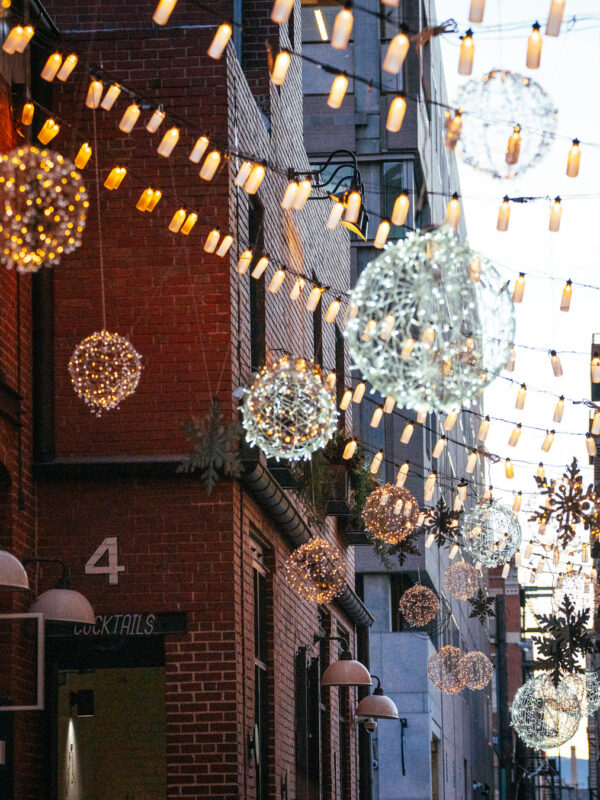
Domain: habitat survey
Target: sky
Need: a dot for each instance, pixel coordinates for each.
(570, 74)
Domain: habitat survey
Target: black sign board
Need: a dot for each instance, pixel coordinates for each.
(122, 625)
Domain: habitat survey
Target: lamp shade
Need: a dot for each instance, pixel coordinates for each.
(12, 572)
(64, 605)
(377, 706)
(346, 672)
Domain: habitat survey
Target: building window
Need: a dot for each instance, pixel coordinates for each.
(397, 177)
(317, 25)
(258, 347)
(261, 688)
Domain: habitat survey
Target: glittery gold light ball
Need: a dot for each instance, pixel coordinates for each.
(461, 580)
(419, 605)
(391, 513)
(288, 411)
(43, 208)
(476, 669)
(105, 369)
(443, 669)
(537, 723)
(316, 571)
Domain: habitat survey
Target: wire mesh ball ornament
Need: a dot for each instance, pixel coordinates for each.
(491, 107)
(578, 589)
(43, 208)
(538, 724)
(444, 670)
(391, 513)
(316, 571)
(105, 368)
(491, 534)
(477, 670)
(430, 322)
(580, 691)
(461, 580)
(419, 606)
(288, 411)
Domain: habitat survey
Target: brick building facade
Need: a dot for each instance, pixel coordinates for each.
(199, 619)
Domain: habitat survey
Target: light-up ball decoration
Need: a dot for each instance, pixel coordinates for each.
(430, 322)
(491, 107)
(444, 670)
(43, 207)
(461, 580)
(419, 605)
(391, 513)
(577, 588)
(537, 722)
(476, 669)
(105, 368)
(578, 691)
(316, 571)
(491, 534)
(288, 411)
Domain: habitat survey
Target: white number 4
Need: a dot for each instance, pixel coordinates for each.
(111, 567)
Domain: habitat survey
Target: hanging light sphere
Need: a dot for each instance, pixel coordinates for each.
(492, 534)
(577, 691)
(491, 108)
(316, 571)
(391, 513)
(476, 669)
(288, 411)
(461, 580)
(575, 587)
(105, 369)
(427, 328)
(43, 208)
(444, 670)
(537, 723)
(419, 605)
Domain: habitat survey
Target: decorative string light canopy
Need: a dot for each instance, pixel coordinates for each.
(507, 123)
(316, 571)
(391, 513)
(491, 534)
(419, 605)
(537, 723)
(461, 580)
(288, 411)
(476, 669)
(105, 368)
(42, 209)
(422, 329)
(444, 669)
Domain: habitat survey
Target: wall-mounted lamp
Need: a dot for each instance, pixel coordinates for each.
(346, 671)
(377, 705)
(12, 572)
(84, 701)
(61, 604)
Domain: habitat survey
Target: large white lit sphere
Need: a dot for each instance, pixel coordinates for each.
(491, 106)
(581, 689)
(430, 322)
(538, 723)
(105, 368)
(491, 534)
(288, 411)
(43, 207)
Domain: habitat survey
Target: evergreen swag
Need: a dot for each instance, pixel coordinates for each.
(215, 447)
(565, 641)
(481, 607)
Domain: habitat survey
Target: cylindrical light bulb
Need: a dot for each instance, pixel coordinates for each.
(407, 349)
(484, 428)
(439, 447)
(49, 130)
(51, 67)
(515, 435)
(349, 450)
(400, 210)
(382, 234)
(210, 165)
(109, 99)
(512, 358)
(219, 42)
(226, 243)
(388, 405)
(595, 368)
(276, 281)
(554, 21)
(453, 212)
(302, 195)
(590, 444)
(198, 149)
(471, 462)
(555, 212)
(573, 160)
(342, 28)
(335, 215)
(27, 113)
(156, 195)
(244, 262)
(503, 215)
(346, 399)
(453, 129)
(428, 337)
(353, 203)
(243, 172)
(407, 433)
(359, 392)
(337, 91)
(402, 474)
(260, 267)
(289, 195)
(155, 121)
(254, 179)
(547, 443)
(519, 290)
(540, 472)
(333, 310)
(168, 142)
(476, 10)
(396, 53)
(145, 198)
(517, 502)
(521, 394)
(556, 365)
(280, 67)
(421, 417)
(189, 223)
(534, 47)
(565, 300)
(94, 94)
(513, 148)
(67, 67)
(509, 470)
(281, 11)
(429, 486)
(377, 417)
(83, 156)
(314, 297)
(559, 409)
(595, 429)
(297, 288)
(14, 37)
(212, 240)
(177, 220)
(129, 118)
(376, 463)
(163, 11)
(467, 51)
(396, 114)
(450, 420)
